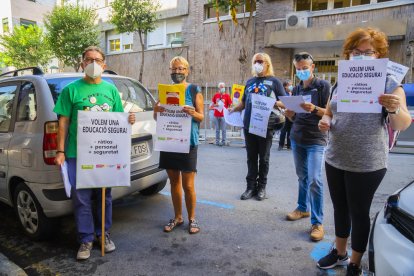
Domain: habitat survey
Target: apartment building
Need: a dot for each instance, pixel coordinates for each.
(280, 28)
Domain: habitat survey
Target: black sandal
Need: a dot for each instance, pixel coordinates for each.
(193, 225)
(172, 224)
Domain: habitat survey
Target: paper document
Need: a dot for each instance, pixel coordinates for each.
(233, 119)
(220, 106)
(397, 70)
(293, 103)
(65, 177)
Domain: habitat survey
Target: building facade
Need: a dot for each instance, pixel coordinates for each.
(280, 28)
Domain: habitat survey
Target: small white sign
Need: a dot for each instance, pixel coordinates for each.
(360, 83)
(397, 70)
(103, 150)
(233, 119)
(294, 103)
(261, 108)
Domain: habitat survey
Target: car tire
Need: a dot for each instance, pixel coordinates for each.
(30, 214)
(151, 190)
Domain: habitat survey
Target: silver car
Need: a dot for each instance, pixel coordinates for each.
(29, 180)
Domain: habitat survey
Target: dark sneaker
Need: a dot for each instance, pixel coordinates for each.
(109, 245)
(84, 251)
(333, 259)
(249, 193)
(354, 270)
(280, 148)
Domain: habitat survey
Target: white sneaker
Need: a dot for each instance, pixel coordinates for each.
(109, 244)
(84, 251)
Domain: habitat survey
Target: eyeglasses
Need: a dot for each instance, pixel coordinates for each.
(90, 60)
(259, 61)
(179, 69)
(357, 52)
(299, 57)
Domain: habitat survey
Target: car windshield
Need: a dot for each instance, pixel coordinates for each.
(134, 97)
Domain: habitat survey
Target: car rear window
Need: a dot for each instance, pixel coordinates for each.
(134, 97)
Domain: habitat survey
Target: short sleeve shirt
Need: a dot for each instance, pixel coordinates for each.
(305, 129)
(194, 138)
(358, 142)
(225, 98)
(81, 95)
(265, 86)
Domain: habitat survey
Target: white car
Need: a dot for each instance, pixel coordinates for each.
(391, 243)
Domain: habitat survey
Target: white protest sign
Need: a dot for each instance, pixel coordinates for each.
(261, 108)
(360, 83)
(233, 119)
(173, 130)
(104, 150)
(397, 70)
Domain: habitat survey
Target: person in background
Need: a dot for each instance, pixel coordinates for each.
(285, 132)
(182, 167)
(263, 83)
(308, 143)
(357, 154)
(220, 100)
(84, 94)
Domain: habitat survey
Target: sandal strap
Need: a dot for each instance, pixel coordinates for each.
(194, 224)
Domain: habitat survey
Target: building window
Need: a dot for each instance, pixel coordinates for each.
(127, 47)
(5, 23)
(26, 23)
(166, 32)
(320, 5)
(115, 45)
(210, 11)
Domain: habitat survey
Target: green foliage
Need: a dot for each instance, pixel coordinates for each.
(131, 16)
(70, 30)
(135, 16)
(24, 47)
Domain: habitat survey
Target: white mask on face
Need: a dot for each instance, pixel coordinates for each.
(93, 70)
(258, 68)
(361, 57)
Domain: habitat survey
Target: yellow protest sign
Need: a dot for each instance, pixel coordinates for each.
(172, 94)
(237, 92)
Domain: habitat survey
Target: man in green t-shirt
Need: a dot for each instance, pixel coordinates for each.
(90, 93)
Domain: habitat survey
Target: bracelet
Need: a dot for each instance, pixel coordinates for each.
(60, 151)
(394, 112)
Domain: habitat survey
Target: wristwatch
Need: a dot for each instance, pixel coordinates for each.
(394, 112)
(315, 110)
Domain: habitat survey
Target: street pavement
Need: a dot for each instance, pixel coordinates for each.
(237, 237)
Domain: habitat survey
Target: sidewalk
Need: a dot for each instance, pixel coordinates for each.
(9, 268)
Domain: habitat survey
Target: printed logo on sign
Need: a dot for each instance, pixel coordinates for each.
(124, 166)
(87, 167)
(118, 166)
(99, 166)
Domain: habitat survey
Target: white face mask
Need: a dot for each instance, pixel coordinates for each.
(258, 68)
(361, 57)
(93, 70)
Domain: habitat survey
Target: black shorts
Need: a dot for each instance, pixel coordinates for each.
(185, 162)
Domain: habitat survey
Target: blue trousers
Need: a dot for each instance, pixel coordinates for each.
(220, 125)
(87, 224)
(308, 163)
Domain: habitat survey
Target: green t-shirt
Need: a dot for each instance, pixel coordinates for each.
(80, 95)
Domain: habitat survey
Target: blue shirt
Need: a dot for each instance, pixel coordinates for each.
(194, 134)
(262, 86)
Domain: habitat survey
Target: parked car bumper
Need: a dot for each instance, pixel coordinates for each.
(393, 253)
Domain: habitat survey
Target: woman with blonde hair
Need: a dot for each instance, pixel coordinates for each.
(182, 167)
(357, 154)
(262, 83)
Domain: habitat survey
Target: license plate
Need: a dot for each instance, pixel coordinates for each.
(140, 149)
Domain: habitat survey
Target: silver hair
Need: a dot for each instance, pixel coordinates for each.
(221, 83)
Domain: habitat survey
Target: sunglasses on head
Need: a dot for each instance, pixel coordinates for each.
(259, 61)
(299, 57)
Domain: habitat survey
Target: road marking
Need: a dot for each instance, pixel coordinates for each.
(208, 202)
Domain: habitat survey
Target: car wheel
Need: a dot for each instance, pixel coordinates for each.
(154, 188)
(34, 223)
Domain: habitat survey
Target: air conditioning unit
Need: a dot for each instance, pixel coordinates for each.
(297, 20)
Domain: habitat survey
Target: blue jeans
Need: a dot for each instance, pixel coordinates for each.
(308, 162)
(220, 124)
(88, 225)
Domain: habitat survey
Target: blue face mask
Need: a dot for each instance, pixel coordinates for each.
(361, 57)
(290, 87)
(303, 74)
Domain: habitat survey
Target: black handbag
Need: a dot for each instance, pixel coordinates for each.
(276, 120)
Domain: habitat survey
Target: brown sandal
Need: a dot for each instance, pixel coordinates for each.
(172, 224)
(193, 226)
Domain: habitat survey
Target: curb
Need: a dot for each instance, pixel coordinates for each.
(9, 268)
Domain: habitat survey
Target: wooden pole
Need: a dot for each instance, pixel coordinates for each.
(103, 224)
